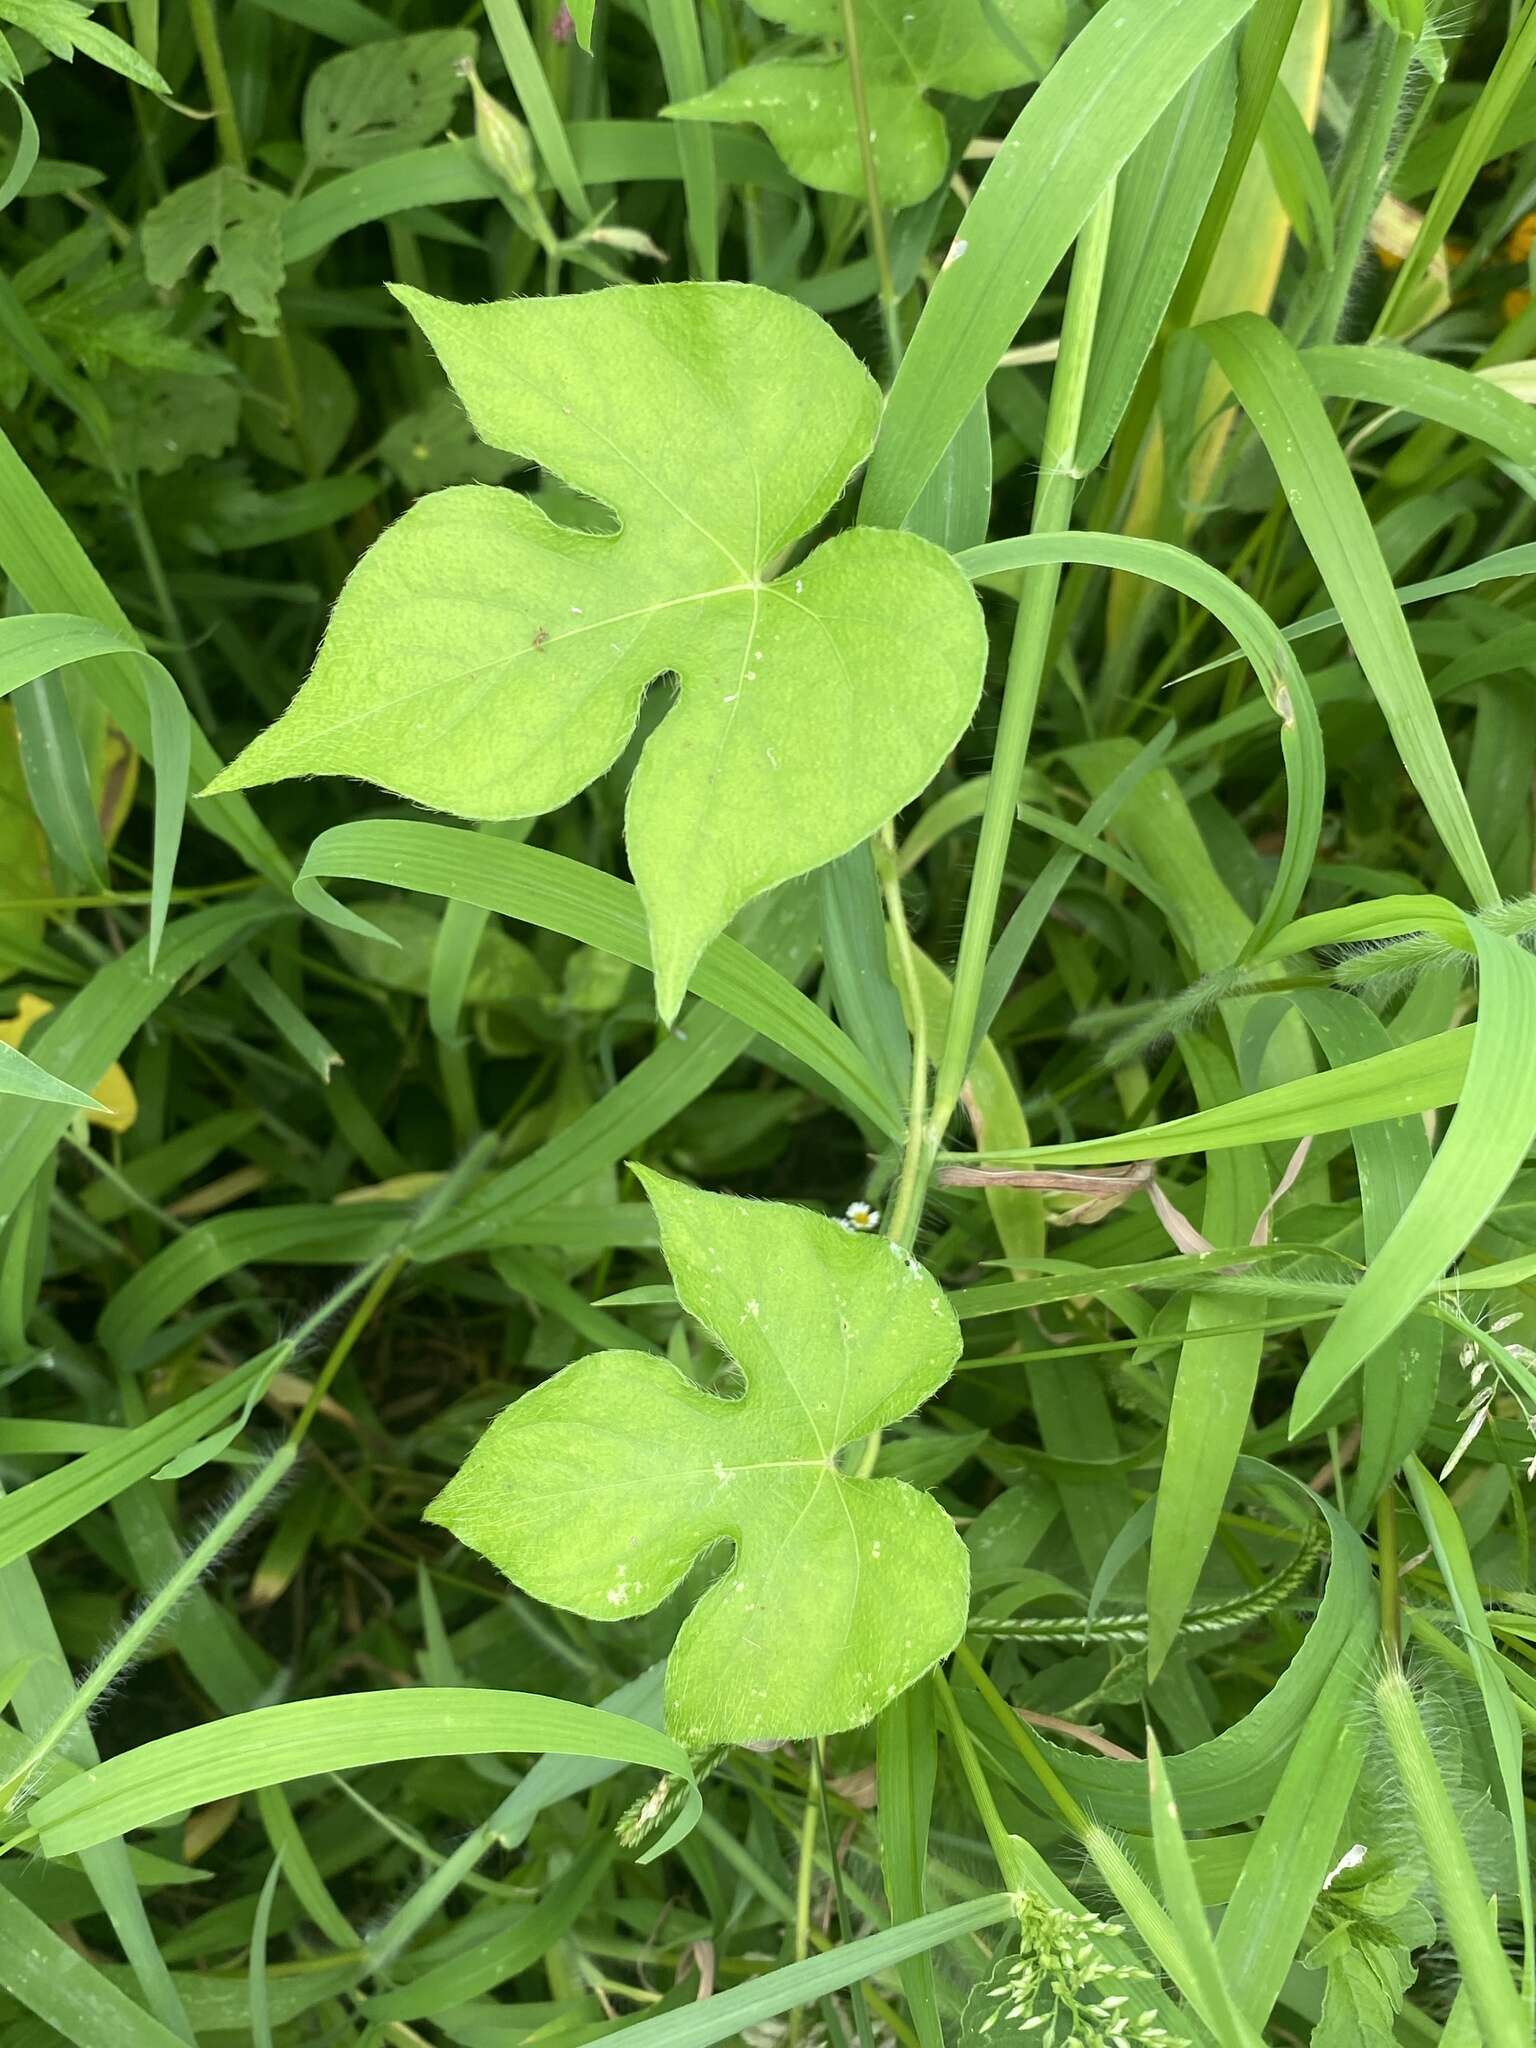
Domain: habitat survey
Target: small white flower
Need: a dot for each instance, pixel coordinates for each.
(860, 1216)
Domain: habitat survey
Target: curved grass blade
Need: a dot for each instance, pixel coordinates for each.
(1273, 388)
(272, 1745)
(1277, 669)
(1404, 381)
(1478, 1157)
(81, 1039)
(53, 573)
(1429, 1074)
(36, 644)
(599, 910)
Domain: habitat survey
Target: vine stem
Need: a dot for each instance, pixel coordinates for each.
(1054, 495)
(907, 1202)
(879, 241)
(803, 1876)
(210, 55)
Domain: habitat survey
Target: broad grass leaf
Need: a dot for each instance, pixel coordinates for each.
(907, 49)
(1160, 197)
(842, 1591)
(351, 1731)
(21, 1076)
(367, 104)
(487, 661)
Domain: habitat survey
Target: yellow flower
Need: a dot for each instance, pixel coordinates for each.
(1521, 237)
(114, 1091)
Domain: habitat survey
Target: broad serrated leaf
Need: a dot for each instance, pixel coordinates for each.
(386, 97)
(484, 660)
(599, 1490)
(908, 49)
(65, 27)
(1364, 1928)
(240, 222)
(160, 421)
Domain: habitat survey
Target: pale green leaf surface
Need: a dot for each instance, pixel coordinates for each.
(598, 1490)
(805, 108)
(1365, 1927)
(483, 660)
(966, 46)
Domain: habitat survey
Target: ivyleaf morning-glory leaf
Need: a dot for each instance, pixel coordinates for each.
(600, 1489)
(487, 661)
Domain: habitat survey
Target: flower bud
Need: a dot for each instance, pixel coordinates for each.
(501, 138)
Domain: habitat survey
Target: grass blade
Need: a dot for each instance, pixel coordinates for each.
(273, 1745)
(1278, 397)
(1094, 107)
(1483, 1149)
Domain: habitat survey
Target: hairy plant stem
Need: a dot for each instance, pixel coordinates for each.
(1360, 176)
(879, 240)
(1474, 1936)
(1510, 73)
(1026, 670)
(1387, 1573)
(142, 1628)
(210, 55)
